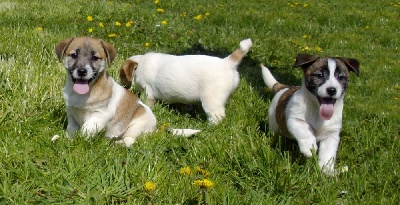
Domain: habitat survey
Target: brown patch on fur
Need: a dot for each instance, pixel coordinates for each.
(127, 72)
(280, 109)
(237, 55)
(101, 90)
(127, 109)
(278, 86)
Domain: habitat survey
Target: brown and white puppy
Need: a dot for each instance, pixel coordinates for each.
(94, 101)
(312, 113)
(186, 79)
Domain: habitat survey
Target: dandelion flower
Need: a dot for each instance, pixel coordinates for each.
(117, 23)
(305, 5)
(164, 22)
(185, 170)
(319, 49)
(148, 45)
(112, 35)
(89, 18)
(203, 183)
(39, 28)
(160, 10)
(202, 171)
(207, 13)
(90, 30)
(129, 23)
(149, 186)
(198, 17)
(156, 1)
(101, 25)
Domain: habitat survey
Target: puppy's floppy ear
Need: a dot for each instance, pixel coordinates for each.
(127, 71)
(352, 65)
(110, 52)
(61, 47)
(303, 60)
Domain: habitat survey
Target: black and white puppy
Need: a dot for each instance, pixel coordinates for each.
(312, 113)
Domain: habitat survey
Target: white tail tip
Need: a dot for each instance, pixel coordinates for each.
(268, 78)
(245, 45)
(184, 132)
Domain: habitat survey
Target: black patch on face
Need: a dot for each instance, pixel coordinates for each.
(316, 78)
(341, 74)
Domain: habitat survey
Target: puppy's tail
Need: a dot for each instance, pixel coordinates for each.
(240, 52)
(127, 72)
(270, 81)
(184, 132)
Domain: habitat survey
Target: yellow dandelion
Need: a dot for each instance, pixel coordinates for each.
(198, 17)
(129, 23)
(203, 183)
(185, 170)
(148, 45)
(101, 25)
(39, 28)
(117, 23)
(160, 10)
(112, 35)
(164, 22)
(149, 186)
(183, 14)
(156, 1)
(164, 126)
(207, 13)
(89, 18)
(90, 30)
(202, 171)
(304, 36)
(318, 49)
(305, 5)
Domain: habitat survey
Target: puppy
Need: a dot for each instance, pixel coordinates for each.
(94, 101)
(186, 79)
(312, 113)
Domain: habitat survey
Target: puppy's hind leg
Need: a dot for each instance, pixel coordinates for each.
(141, 125)
(214, 109)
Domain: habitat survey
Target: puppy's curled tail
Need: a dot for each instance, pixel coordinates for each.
(239, 53)
(270, 81)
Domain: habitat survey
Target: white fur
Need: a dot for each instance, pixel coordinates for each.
(304, 122)
(188, 79)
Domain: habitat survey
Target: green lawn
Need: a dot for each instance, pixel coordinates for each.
(242, 161)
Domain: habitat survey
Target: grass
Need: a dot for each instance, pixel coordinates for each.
(245, 163)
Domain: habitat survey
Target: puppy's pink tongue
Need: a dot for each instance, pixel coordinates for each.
(326, 110)
(81, 86)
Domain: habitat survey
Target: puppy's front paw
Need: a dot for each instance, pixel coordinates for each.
(307, 146)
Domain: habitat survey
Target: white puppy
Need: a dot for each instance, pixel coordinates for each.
(186, 79)
(312, 113)
(94, 101)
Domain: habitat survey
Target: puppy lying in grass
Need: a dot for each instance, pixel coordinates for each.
(186, 79)
(94, 101)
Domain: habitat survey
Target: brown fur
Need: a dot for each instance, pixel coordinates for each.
(280, 109)
(237, 55)
(127, 72)
(278, 86)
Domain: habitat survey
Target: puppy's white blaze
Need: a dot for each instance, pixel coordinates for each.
(268, 78)
(331, 82)
(245, 45)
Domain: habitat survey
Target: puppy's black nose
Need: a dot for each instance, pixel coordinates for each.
(82, 72)
(331, 91)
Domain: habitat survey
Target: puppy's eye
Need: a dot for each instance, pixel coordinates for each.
(73, 55)
(95, 58)
(341, 77)
(318, 75)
